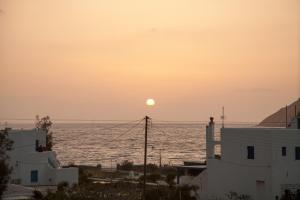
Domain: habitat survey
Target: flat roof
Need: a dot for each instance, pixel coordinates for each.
(277, 129)
(24, 131)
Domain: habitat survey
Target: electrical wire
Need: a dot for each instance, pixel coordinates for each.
(127, 131)
(106, 128)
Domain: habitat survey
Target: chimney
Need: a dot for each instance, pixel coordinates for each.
(210, 139)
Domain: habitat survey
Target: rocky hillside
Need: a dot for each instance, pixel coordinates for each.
(278, 118)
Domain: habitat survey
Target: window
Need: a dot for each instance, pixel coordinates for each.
(34, 176)
(250, 150)
(36, 144)
(283, 151)
(297, 153)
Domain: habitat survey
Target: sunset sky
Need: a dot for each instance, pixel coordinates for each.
(101, 59)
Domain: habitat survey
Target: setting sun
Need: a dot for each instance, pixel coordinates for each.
(150, 102)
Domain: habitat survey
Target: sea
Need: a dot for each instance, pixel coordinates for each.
(108, 144)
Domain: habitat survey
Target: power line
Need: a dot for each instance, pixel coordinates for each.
(121, 135)
(108, 128)
(119, 125)
(127, 131)
(201, 121)
(116, 120)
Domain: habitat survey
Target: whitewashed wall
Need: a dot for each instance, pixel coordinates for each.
(234, 172)
(24, 158)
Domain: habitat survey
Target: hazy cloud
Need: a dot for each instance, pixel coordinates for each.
(255, 90)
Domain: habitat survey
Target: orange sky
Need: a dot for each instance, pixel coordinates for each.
(96, 59)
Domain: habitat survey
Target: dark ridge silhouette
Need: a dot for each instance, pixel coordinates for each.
(278, 119)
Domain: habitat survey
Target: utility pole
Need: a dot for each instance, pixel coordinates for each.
(223, 117)
(145, 156)
(159, 158)
(111, 171)
(111, 165)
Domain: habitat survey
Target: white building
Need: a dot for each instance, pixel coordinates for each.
(263, 163)
(32, 167)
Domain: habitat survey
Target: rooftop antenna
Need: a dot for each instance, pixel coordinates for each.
(37, 120)
(223, 116)
(286, 116)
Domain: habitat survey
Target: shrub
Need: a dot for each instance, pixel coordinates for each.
(5, 170)
(70, 164)
(120, 191)
(37, 195)
(99, 166)
(151, 178)
(170, 179)
(62, 186)
(152, 167)
(83, 177)
(125, 165)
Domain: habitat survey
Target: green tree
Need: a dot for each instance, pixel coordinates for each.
(5, 144)
(45, 124)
